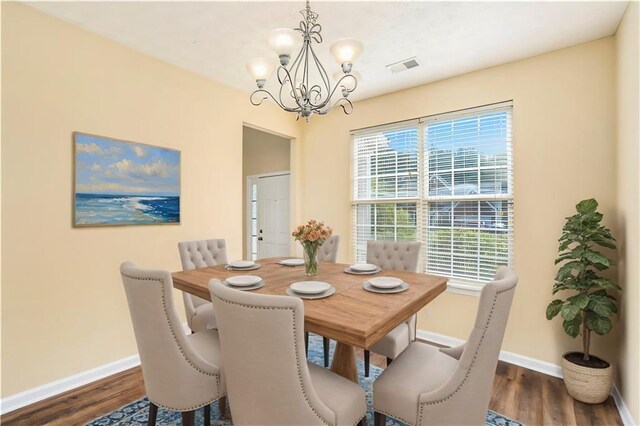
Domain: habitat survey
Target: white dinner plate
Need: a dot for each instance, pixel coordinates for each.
(322, 295)
(243, 280)
(310, 287)
(348, 270)
(248, 288)
(363, 267)
(385, 282)
(242, 264)
(367, 286)
(292, 262)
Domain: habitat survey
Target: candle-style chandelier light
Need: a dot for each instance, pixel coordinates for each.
(305, 87)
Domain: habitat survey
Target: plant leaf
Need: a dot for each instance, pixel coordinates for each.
(580, 300)
(606, 284)
(587, 206)
(602, 305)
(598, 324)
(597, 259)
(569, 311)
(572, 327)
(554, 308)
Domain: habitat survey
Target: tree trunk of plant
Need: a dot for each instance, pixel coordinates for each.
(586, 337)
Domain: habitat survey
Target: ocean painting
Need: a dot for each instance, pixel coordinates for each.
(124, 183)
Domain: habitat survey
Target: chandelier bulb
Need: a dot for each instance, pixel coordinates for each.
(284, 60)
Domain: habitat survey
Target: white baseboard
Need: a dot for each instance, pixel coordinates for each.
(510, 357)
(48, 390)
(625, 414)
(532, 364)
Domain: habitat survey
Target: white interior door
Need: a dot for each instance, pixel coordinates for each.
(273, 216)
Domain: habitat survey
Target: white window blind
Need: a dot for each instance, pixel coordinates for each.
(445, 180)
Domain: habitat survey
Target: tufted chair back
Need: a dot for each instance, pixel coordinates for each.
(271, 386)
(175, 375)
(395, 255)
(328, 251)
(200, 254)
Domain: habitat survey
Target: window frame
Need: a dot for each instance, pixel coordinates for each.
(423, 199)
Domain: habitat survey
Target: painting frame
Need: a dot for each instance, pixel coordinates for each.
(76, 223)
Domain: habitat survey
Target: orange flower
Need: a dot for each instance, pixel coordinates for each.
(313, 235)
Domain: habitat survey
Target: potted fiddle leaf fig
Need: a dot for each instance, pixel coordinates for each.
(588, 306)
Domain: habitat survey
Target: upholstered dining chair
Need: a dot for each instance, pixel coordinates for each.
(181, 372)
(427, 385)
(397, 256)
(274, 385)
(200, 254)
(327, 252)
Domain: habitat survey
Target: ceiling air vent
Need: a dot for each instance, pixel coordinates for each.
(403, 65)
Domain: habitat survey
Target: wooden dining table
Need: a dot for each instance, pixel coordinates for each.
(352, 316)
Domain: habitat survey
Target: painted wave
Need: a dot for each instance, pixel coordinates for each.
(102, 209)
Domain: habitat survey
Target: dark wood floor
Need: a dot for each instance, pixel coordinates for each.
(527, 396)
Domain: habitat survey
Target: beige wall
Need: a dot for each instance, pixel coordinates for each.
(628, 54)
(564, 151)
(64, 310)
(261, 153)
(264, 152)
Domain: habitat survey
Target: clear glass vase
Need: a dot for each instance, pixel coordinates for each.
(310, 259)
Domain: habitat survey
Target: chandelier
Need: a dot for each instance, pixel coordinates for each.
(305, 87)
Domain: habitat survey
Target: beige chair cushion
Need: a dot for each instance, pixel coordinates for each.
(203, 318)
(420, 368)
(200, 254)
(393, 343)
(342, 396)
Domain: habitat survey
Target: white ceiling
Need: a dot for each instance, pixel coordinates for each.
(216, 39)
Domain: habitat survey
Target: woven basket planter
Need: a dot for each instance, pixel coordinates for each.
(589, 385)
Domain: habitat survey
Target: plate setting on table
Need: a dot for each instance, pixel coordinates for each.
(242, 265)
(385, 285)
(244, 282)
(292, 262)
(311, 289)
(363, 269)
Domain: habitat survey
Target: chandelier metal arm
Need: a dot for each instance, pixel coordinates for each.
(343, 103)
(344, 90)
(269, 95)
(283, 82)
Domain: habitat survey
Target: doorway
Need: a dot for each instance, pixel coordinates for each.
(270, 206)
(267, 183)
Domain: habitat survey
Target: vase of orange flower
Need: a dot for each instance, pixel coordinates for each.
(311, 235)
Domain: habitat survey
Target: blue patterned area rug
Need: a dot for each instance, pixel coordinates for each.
(137, 412)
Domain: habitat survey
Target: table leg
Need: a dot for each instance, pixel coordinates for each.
(344, 361)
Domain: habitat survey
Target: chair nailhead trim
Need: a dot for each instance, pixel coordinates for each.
(473, 361)
(175, 339)
(295, 340)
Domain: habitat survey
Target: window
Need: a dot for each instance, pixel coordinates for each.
(445, 180)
